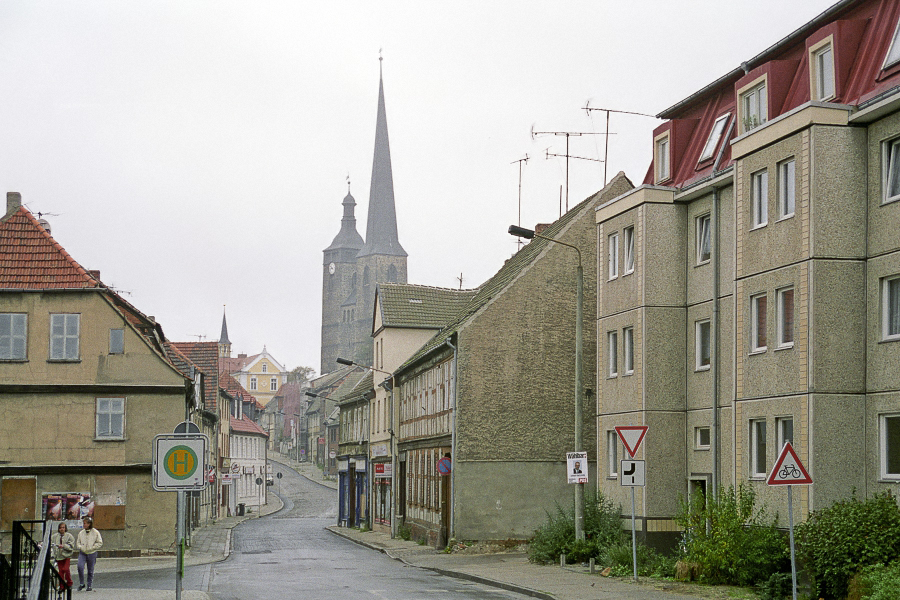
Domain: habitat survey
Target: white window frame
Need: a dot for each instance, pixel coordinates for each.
(109, 408)
(884, 446)
(787, 188)
(612, 352)
(273, 384)
(715, 134)
(758, 321)
(887, 332)
(612, 454)
(754, 104)
(759, 197)
(822, 63)
(265, 368)
(628, 267)
(698, 344)
(65, 346)
(14, 344)
(628, 342)
(781, 433)
(781, 331)
(759, 465)
(663, 158)
(704, 220)
(253, 384)
(894, 50)
(698, 442)
(613, 255)
(890, 167)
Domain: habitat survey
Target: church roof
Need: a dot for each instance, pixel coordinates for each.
(381, 226)
(348, 236)
(420, 306)
(223, 338)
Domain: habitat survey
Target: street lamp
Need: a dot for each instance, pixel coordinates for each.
(579, 313)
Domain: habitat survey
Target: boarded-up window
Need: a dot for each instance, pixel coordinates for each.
(17, 498)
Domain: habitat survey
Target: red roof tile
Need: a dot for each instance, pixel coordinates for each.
(245, 425)
(31, 259)
(206, 356)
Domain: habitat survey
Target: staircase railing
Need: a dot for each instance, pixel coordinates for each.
(30, 574)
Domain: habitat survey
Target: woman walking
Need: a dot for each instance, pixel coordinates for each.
(63, 545)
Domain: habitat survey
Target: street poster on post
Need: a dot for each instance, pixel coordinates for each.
(576, 467)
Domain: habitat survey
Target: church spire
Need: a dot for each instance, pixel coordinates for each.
(224, 342)
(381, 227)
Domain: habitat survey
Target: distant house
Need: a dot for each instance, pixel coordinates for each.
(260, 374)
(248, 462)
(85, 385)
(352, 429)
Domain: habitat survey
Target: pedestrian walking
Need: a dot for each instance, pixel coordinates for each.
(63, 545)
(88, 543)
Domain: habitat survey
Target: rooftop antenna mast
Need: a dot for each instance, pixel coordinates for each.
(588, 108)
(568, 134)
(519, 222)
(460, 280)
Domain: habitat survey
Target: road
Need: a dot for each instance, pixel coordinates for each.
(289, 554)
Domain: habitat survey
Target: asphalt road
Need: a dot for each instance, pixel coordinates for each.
(289, 554)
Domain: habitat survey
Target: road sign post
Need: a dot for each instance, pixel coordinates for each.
(631, 474)
(789, 471)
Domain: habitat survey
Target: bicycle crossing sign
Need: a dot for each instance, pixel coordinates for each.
(788, 469)
(179, 462)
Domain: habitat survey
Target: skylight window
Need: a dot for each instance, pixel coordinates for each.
(714, 136)
(893, 55)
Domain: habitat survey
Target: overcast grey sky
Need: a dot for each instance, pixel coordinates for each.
(196, 152)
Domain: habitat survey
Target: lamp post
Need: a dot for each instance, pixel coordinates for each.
(579, 314)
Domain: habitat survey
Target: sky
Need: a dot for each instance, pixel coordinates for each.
(196, 152)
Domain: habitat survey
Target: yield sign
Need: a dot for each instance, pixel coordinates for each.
(632, 436)
(788, 469)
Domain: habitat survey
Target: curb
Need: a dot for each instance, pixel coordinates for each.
(509, 587)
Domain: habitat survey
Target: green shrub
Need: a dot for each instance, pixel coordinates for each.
(837, 541)
(650, 562)
(880, 582)
(404, 532)
(730, 539)
(776, 587)
(602, 528)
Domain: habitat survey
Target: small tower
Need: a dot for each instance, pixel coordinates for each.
(224, 342)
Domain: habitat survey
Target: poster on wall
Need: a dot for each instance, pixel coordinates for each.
(69, 507)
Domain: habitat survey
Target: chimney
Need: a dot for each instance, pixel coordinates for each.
(13, 202)
(540, 227)
(92, 272)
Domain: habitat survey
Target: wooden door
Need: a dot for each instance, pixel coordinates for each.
(17, 497)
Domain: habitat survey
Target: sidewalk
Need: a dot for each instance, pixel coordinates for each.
(513, 572)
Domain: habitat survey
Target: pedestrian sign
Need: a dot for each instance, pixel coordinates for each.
(632, 436)
(179, 462)
(788, 469)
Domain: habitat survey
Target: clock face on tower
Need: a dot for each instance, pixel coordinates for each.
(331, 268)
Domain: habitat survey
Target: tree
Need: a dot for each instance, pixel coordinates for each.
(301, 375)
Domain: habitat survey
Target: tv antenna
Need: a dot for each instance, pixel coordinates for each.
(200, 337)
(568, 135)
(588, 108)
(519, 222)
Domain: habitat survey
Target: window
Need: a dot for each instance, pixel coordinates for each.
(754, 107)
(265, 368)
(613, 255)
(890, 446)
(891, 170)
(629, 250)
(13, 336)
(823, 63)
(628, 334)
(759, 197)
(662, 158)
(704, 244)
(612, 347)
(758, 464)
(252, 383)
(893, 55)
(712, 142)
(702, 345)
(273, 384)
(890, 308)
(758, 306)
(784, 429)
(612, 454)
(786, 189)
(64, 333)
(110, 418)
(117, 341)
(786, 318)
(701, 438)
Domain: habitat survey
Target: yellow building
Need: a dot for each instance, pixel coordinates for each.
(260, 374)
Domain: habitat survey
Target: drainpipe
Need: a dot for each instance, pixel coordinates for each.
(452, 533)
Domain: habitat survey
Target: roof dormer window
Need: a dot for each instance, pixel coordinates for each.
(893, 55)
(714, 136)
(754, 106)
(662, 157)
(821, 61)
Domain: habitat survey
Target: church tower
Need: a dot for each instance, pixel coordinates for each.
(382, 258)
(224, 342)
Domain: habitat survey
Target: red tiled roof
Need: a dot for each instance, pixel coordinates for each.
(245, 425)
(206, 356)
(31, 259)
(233, 364)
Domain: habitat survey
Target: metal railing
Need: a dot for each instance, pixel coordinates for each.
(30, 574)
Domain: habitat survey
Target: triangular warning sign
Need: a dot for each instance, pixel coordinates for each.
(631, 436)
(788, 469)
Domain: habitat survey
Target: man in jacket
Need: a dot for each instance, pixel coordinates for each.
(87, 544)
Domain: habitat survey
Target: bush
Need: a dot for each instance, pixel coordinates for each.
(730, 540)
(879, 582)
(650, 562)
(602, 528)
(837, 541)
(404, 532)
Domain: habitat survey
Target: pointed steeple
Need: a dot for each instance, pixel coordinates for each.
(381, 227)
(348, 236)
(224, 342)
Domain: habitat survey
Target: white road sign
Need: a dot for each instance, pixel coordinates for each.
(631, 473)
